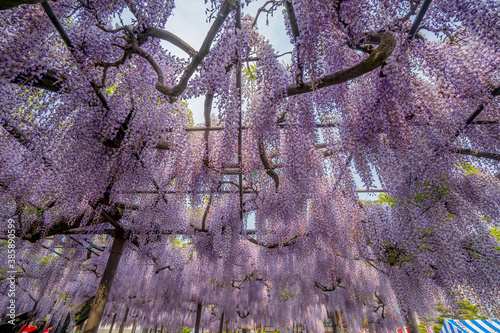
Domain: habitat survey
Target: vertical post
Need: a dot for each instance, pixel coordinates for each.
(490, 314)
(340, 323)
(221, 322)
(122, 326)
(411, 320)
(371, 327)
(112, 323)
(198, 318)
(238, 91)
(418, 19)
(409, 316)
(133, 327)
(333, 316)
(105, 285)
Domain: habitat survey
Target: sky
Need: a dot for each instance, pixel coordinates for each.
(189, 22)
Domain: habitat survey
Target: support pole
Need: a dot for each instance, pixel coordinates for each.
(112, 323)
(198, 318)
(240, 129)
(133, 327)
(57, 24)
(221, 322)
(418, 19)
(122, 326)
(105, 285)
(411, 321)
(335, 325)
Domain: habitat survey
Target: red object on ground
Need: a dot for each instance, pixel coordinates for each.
(30, 328)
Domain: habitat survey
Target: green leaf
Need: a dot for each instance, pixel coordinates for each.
(111, 90)
(495, 232)
(468, 168)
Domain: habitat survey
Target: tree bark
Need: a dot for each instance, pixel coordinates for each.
(79, 328)
(105, 285)
(386, 45)
(226, 8)
(476, 153)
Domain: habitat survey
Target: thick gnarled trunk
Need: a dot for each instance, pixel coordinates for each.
(105, 285)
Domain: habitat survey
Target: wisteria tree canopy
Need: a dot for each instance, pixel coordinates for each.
(254, 215)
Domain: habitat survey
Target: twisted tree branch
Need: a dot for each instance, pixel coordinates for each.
(476, 153)
(226, 8)
(267, 165)
(386, 45)
(169, 37)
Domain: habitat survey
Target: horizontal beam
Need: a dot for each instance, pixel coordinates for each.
(319, 125)
(221, 192)
(476, 153)
(375, 190)
(281, 125)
